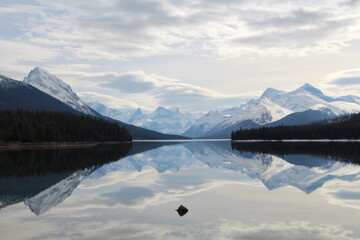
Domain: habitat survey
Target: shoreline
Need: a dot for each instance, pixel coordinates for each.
(49, 145)
(297, 140)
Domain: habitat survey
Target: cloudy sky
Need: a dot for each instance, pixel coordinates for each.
(199, 55)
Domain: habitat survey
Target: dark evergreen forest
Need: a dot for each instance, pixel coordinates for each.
(347, 127)
(43, 126)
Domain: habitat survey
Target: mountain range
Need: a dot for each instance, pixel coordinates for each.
(171, 120)
(42, 91)
(274, 107)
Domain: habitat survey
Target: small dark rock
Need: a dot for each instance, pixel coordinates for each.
(182, 210)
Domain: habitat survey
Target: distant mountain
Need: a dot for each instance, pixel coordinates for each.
(57, 88)
(170, 121)
(259, 112)
(349, 98)
(274, 107)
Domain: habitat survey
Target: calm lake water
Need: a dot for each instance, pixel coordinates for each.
(240, 191)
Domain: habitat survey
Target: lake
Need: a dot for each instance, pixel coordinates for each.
(231, 191)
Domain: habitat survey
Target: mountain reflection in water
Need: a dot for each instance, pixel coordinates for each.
(44, 178)
(233, 191)
(34, 175)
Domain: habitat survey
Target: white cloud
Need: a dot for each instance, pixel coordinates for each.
(340, 193)
(90, 42)
(15, 54)
(116, 102)
(123, 28)
(151, 90)
(281, 230)
(343, 82)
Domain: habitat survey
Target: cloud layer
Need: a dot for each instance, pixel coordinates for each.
(123, 28)
(343, 82)
(266, 43)
(151, 90)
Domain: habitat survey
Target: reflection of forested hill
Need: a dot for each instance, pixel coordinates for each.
(26, 173)
(38, 162)
(43, 178)
(340, 151)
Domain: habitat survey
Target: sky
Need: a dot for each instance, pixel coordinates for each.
(199, 55)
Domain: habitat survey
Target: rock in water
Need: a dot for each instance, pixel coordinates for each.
(182, 210)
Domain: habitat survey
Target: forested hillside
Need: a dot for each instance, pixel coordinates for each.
(41, 126)
(347, 127)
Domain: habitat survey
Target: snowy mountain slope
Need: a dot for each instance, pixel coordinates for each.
(349, 98)
(337, 107)
(8, 83)
(108, 112)
(165, 120)
(171, 120)
(20, 95)
(300, 99)
(263, 111)
(260, 112)
(272, 106)
(57, 88)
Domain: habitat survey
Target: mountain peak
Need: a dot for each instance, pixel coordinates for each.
(57, 88)
(42, 79)
(308, 87)
(138, 111)
(313, 91)
(174, 109)
(160, 109)
(39, 69)
(271, 93)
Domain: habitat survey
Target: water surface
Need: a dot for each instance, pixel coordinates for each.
(240, 191)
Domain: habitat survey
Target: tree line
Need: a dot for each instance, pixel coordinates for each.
(347, 127)
(40, 162)
(43, 126)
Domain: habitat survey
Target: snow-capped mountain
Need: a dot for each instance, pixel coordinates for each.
(57, 193)
(300, 99)
(170, 120)
(124, 115)
(16, 94)
(57, 88)
(273, 106)
(165, 120)
(109, 112)
(349, 98)
(20, 95)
